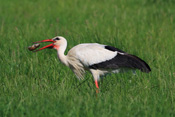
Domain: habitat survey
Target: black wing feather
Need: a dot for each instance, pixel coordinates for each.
(122, 60)
(114, 49)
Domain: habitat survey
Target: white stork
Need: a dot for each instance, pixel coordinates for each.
(97, 58)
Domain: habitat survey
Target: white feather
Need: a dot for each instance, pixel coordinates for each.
(89, 54)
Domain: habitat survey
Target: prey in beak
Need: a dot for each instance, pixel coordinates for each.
(47, 46)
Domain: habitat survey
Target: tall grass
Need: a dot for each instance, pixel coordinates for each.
(37, 84)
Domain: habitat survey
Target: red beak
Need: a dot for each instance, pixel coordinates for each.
(48, 46)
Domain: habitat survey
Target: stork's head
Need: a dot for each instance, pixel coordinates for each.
(56, 43)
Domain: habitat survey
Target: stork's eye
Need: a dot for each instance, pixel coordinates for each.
(56, 39)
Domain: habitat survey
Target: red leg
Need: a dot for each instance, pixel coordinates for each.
(96, 84)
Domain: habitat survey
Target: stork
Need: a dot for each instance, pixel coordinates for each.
(97, 58)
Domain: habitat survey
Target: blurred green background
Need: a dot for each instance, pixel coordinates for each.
(37, 84)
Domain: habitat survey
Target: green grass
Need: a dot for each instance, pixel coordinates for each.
(37, 84)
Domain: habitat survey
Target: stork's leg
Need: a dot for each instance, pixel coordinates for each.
(96, 84)
(95, 74)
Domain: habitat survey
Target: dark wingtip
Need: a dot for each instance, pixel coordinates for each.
(144, 67)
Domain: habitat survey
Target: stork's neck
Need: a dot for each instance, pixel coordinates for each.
(60, 52)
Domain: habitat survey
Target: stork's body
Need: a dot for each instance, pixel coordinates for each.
(97, 58)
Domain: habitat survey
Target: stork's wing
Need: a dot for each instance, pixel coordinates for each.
(97, 56)
(122, 60)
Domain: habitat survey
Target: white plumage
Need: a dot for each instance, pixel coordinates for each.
(97, 58)
(93, 53)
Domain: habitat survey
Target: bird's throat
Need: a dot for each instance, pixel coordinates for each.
(62, 57)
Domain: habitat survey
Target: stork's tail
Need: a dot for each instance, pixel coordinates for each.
(137, 63)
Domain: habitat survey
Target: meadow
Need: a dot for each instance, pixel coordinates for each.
(37, 84)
